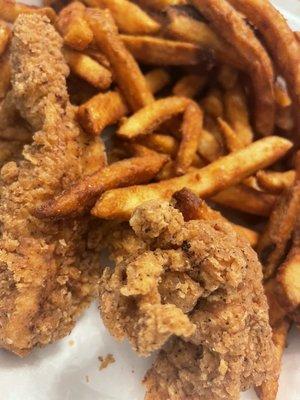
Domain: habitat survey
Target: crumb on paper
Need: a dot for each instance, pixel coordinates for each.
(106, 361)
(87, 379)
(71, 343)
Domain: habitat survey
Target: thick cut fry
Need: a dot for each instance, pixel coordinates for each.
(191, 130)
(161, 5)
(276, 312)
(129, 17)
(88, 69)
(230, 25)
(274, 240)
(275, 182)
(205, 182)
(268, 390)
(209, 147)
(282, 43)
(152, 116)
(232, 140)
(183, 27)
(160, 51)
(189, 85)
(127, 73)
(10, 10)
(98, 56)
(213, 103)
(82, 195)
(192, 207)
(108, 108)
(95, 157)
(246, 199)
(161, 143)
(284, 119)
(5, 74)
(228, 77)
(157, 79)
(281, 96)
(236, 113)
(5, 35)
(73, 27)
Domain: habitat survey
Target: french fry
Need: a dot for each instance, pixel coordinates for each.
(189, 85)
(129, 17)
(284, 118)
(98, 56)
(268, 390)
(88, 69)
(83, 194)
(108, 108)
(251, 182)
(281, 96)
(213, 103)
(95, 157)
(10, 10)
(159, 51)
(5, 73)
(191, 130)
(192, 207)
(232, 140)
(275, 182)
(209, 147)
(157, 79)
(274, 240)
(246, 199)
(230, 25)
(219, 175)
(73, 27)
(161, 5)
(237, 115)
(126, 72)
(183, 27)
(5, 35)
(149, 118)
(228, 77)
(160, 143)
(276, 312)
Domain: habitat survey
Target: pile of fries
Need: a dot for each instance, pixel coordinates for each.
(195, 98)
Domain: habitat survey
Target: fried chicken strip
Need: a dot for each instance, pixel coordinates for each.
(168, 269)
(47, 273)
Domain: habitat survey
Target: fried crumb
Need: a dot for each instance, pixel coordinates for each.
(106, 361)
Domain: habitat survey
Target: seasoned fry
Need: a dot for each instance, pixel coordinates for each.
(183, 27)
(227, 77)
(108, 108)
(246, 199)
(208, 146)
(129, 17)
(151, 117)
(160, 51)
(82, 195)
(189, 85)
(73, 27)
(273, 242)
(5, 73)
(236, 113)
(88, 69)
(5, 35)
(95, 157)
(157, 79)
(191, 130)
(10, 10)
(161, 143)
(213, 103)
(230, 25)
(205, 182)
(281, 42)
(232, 140)
(126, 72)
(160, 5)
(268, 390)
(275, 182)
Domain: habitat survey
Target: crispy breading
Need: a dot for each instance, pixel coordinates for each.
(47, 271)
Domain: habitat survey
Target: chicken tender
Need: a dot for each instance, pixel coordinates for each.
(198, 284)
(48, 271)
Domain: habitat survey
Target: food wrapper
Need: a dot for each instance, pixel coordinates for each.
(71, 368)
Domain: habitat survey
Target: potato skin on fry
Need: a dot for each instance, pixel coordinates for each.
(224, 172)
(83, 194)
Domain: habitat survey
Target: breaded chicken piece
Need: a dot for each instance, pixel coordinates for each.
(47, 270)
(201, 270)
